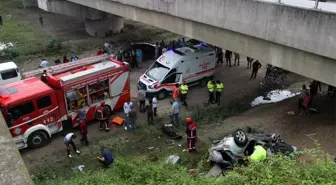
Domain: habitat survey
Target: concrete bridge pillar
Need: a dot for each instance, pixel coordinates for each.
(29, 3)
(97, 23)
(104, 27)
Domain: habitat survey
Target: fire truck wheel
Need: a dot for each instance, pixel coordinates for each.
(162, 94)
(38, 139)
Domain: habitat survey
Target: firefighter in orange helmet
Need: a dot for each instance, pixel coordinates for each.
(191, 134)
(100, 113)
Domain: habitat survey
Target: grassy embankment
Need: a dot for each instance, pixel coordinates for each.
(137, 163)
(28, 42)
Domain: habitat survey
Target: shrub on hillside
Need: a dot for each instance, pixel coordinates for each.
(53, 46)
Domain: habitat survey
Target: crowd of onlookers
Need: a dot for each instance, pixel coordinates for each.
(44, 63)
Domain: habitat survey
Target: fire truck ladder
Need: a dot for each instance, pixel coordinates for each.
(66, 67)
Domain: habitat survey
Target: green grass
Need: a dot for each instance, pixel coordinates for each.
(276, 170)
(26, 39)
(137, 164)
(129, 146)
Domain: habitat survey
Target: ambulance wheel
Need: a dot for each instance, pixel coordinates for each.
(38, 139)
(203, 82)
(162, 94)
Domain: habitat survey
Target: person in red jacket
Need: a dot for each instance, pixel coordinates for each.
(83, 130)
(100, 51)
(191, 134)
(102, 117)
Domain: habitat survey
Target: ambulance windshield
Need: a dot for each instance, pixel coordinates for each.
(157, 71)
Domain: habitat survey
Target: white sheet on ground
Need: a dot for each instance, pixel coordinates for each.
(275, 96)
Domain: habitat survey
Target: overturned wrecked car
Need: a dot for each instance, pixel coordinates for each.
(232, 150)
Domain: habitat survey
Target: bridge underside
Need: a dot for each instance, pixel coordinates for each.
(97, 23)
(294, 60)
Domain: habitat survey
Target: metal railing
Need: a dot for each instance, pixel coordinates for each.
(315, 6)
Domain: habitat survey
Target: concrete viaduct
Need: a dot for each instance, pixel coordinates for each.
(299, 40)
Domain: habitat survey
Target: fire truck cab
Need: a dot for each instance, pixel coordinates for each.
(35, 109)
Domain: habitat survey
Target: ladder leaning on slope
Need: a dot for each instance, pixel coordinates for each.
(67, 66)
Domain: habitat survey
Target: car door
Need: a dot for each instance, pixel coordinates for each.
(171, 80)
(47, 108)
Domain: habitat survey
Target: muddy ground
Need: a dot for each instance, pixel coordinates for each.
(295, 129)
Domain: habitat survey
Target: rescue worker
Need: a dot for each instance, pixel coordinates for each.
(255, 67)
(184, 92)
(191, 134)
(83, 130)
(211, 90)
(44, 76)
(259, 154)
(102, 117)
(68, 140)
(219, 89)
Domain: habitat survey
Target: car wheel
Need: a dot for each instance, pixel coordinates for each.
(38, 139)
(203, 82)
(162, 94)
(240, 137)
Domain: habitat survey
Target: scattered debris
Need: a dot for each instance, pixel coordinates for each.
(192, 172)
(215, 171)
(290, 113)
(150, 148)
(168, 130)
(173, 159)
(179, 145)
(81, 167)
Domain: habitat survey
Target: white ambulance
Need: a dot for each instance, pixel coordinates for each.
(190, 64)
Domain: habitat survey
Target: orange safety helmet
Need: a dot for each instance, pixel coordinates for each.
(102, 102)
(188, 120)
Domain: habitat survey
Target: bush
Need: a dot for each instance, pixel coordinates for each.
(214, 114)
(53, 45)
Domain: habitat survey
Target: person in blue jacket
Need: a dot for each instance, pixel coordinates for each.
(106, 159)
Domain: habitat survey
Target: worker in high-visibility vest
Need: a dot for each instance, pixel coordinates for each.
(183, 95)
(259, 154)
(219, 89)
(211, 90)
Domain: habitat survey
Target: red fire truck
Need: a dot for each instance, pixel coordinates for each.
(35, 109)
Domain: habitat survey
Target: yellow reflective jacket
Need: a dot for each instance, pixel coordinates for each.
(259, 154)
(211, 86)
(219, 87)
(184, 89)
